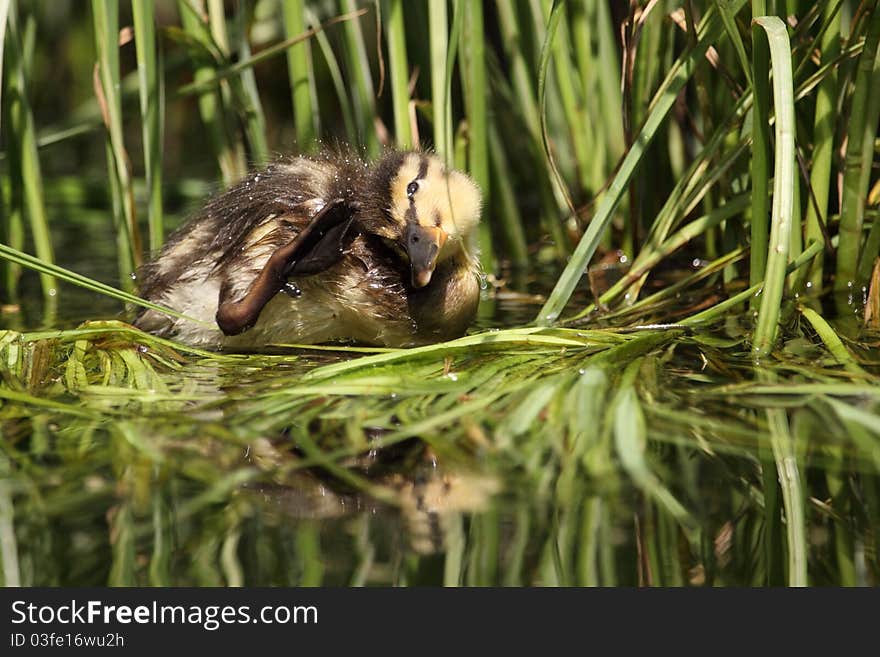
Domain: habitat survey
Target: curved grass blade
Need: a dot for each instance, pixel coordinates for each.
(783, 186)
(832, 341)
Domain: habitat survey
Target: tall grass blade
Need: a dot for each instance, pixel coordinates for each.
(824, 126)
(861, 132)
(345, 102)
(245, 90)
(21, 123)
(230, 159)
(784, 180)
(358, 66)
(441, 97)
(4, 13)
(299, 69)
(760, 165)
(478, 121)
(106, 20)
(152, 91)
(395, 34)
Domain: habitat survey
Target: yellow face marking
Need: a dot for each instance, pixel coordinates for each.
(441, 199)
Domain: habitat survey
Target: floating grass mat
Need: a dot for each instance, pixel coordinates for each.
(126, 453)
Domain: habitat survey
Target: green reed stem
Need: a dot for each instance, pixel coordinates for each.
(509, 217)
(4, 13)
(574, 107)
(245, 91)
(395, 32)
(106, 19)
(787, 470)
(441, 108)
(358, 67)
(784, 179)
(760, 167)
(861, 131)
(824, 126)
(21, 123)
(152, 94)
(345, 102)
(211, 107)
(591, 124)
(478, 120)
(609, 78)
(525, 91)
(300, 73)
(556, 15)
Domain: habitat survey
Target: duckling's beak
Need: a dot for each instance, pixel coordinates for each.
(423, 244)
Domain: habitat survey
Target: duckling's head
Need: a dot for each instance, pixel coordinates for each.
(429, 213)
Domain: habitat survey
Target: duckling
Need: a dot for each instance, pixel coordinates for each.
(320, 249)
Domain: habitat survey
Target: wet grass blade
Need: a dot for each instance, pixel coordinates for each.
(152, 94)
(784, 179)
(832, 341)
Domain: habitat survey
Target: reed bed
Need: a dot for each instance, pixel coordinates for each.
(707, 415)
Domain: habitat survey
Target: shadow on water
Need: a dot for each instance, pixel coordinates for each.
(588, 456)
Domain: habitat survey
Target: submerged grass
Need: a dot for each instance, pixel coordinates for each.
(589, 409)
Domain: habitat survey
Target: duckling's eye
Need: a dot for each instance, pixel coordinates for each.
(411, 189)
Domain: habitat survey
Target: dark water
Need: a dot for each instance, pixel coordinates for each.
(208, 483)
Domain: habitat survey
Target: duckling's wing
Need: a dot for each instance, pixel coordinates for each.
(316, 247)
